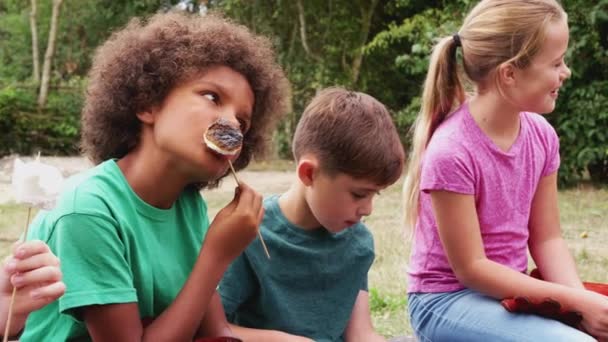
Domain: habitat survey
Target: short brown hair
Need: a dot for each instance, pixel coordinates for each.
(351, 133)
(138, 66)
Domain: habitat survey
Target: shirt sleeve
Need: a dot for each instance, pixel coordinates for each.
(93, 262)
(237, 285)
(447, 166)
(553, 159)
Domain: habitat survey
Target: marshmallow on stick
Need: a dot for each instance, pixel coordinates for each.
(36, 185)
(223, 138)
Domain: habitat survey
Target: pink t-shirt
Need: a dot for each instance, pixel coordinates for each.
(462, 159)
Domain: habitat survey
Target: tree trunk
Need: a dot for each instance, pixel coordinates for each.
(366, 17)
(302, 19)
(35, 51)
(48, 56)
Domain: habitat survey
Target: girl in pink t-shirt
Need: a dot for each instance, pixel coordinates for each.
(482, 183)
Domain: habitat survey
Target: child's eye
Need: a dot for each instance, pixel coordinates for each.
(357, 195)
(212, 96)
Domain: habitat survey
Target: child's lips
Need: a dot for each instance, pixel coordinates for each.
(219, 156)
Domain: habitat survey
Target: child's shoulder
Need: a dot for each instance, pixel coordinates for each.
(452, 130)
(92, 187)
(538, 122)
(453, 138)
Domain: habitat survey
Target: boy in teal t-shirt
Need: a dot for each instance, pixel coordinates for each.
(315, 284)
(141, 262)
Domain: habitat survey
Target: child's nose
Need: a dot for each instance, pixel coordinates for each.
(230, 116)
(365, 209)
(567, 72)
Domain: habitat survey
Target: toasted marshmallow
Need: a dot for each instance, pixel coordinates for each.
(223, 138)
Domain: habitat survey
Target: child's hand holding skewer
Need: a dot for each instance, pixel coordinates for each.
(223, 138)
(33, 270)
(236, 225)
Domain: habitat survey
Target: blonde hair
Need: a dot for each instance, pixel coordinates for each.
(493, 33)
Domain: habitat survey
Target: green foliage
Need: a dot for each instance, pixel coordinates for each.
(15, 54)
(380, 302)
(83, 25)
(327, 57)
(581, 117)
(582, 124)
(26, 130)
(395, 54)
(409, 45)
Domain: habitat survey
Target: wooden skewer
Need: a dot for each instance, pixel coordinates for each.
(12, 302)
(259, 232)
(236, 179)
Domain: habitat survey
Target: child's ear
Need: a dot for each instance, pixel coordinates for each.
(307, 169)
(506, 74)
(146, 116)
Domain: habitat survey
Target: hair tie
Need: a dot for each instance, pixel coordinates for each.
(456, 39)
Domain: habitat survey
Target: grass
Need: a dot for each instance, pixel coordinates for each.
(583, 211)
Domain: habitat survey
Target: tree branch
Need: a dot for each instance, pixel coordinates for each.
(35, 51)
(302, 19)
(48, 56)
(366, 18)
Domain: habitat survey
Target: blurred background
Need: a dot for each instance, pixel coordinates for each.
(376, 46)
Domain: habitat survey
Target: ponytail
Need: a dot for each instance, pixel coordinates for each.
(443, 90)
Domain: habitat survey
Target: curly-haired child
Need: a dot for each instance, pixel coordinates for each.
(139, 257)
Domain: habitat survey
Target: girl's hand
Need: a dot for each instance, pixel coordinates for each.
(236, 225)
(594, 308)
(34, 270)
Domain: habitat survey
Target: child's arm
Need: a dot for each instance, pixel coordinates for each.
(34, 270)
(547, 247)
(260, 335)
(360, 326)
(552, 257)
(215, 322)
(232, 230)
(460, 235)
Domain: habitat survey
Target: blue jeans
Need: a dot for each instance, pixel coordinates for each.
(467, 315)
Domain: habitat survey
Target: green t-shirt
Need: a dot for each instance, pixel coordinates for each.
(310, 284)
(114, 248)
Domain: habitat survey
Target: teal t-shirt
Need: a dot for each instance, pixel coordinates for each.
(114, 248)
(310, 284)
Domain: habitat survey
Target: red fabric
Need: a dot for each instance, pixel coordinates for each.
(549, 307)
